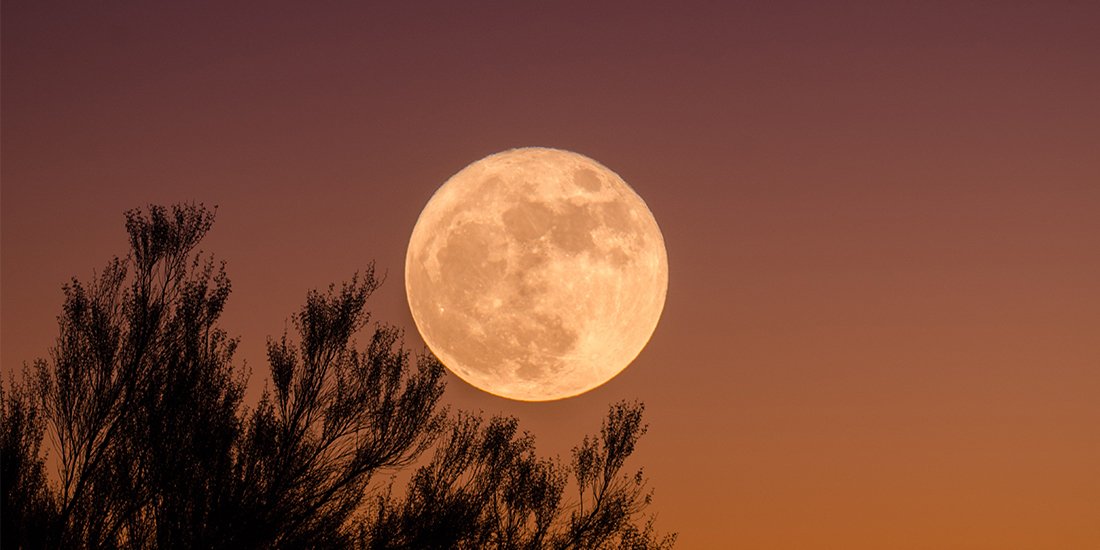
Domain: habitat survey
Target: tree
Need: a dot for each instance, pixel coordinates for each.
(336, 418)
(141, 394)
(144, 406)
(25, 502)
(486, 488)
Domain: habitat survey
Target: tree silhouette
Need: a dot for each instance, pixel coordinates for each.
(26, 509)
(486, 488)
(154, 448)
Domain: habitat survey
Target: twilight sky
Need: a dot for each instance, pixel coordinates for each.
(883, 222)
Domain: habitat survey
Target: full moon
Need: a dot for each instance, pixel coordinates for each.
(536, 274)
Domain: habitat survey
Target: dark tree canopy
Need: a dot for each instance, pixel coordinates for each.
(141, 404)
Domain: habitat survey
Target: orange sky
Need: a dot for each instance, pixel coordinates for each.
(883, 222)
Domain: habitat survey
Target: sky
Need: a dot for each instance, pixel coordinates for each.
(882, 327)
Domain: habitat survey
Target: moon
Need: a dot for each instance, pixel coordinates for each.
(536, 274)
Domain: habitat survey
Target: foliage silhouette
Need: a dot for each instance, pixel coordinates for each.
(154, 448)
(26, 508)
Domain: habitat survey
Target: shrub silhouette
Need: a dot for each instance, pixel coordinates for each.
(154, 448)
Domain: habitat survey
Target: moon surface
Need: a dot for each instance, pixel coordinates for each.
(536, 274)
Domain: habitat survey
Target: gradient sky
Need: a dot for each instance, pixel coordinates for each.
(883, 222)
